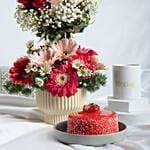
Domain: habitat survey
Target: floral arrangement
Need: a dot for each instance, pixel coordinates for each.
(59, 68)
(55, 19)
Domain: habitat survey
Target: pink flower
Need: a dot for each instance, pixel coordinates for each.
(43, 57)
(97, 64)
(65, 48)
(63, 81)
(56, 2)
(18, 74)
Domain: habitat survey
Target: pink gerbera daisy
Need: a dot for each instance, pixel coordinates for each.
(43, 57)
(65, 48)
(63, 81)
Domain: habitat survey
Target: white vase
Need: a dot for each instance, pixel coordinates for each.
(56, 109)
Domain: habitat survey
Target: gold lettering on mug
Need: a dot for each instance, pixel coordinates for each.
(124, 84)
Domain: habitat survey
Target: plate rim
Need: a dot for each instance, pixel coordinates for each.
(79, 135)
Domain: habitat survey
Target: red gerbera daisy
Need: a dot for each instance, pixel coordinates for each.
(63, 81)
(87, 51)
(84, 54)
(18, 74)
(88, 56)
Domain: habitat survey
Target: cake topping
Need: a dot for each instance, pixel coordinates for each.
(91, 108)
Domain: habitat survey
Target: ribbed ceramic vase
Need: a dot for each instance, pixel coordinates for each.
(56, 109)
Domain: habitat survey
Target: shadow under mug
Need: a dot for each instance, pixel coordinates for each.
(127, 81)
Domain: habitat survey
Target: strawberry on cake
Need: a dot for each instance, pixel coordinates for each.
(92, 121)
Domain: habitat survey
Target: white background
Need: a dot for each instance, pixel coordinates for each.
(121, 34)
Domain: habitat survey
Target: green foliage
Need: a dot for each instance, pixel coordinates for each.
(64, 32)
(91, 104)
(17, 88)
(37, 75)
(30, 50)
(93, 83)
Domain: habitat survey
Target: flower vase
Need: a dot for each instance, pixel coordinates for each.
(56, 109)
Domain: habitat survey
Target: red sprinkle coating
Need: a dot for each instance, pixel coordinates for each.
(83, 123)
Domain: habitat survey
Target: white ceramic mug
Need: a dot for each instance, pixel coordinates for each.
(127, 81)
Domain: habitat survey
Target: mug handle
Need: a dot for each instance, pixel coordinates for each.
(145, 70)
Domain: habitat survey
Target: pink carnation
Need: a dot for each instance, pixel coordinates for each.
(56, 2)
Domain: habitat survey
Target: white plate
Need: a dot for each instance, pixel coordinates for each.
(93, 140)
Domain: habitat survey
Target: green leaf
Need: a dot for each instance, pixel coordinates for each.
(17, 88)
(93, 83)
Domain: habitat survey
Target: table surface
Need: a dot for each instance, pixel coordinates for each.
(18, 133)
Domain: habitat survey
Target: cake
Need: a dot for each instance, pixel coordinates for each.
(92, 121)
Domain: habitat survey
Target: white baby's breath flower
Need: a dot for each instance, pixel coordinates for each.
(39, 82)
(77, 63)
(45, 70)
(68, 11)
(53, 26)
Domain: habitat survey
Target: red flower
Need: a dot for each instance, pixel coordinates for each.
(18, 74)
(91, 67)
(35, 3)
(91, 109)
(88, 56)
(84, 54)
(26, 3)
(38, 3)
(63, 81)
(84, 51)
